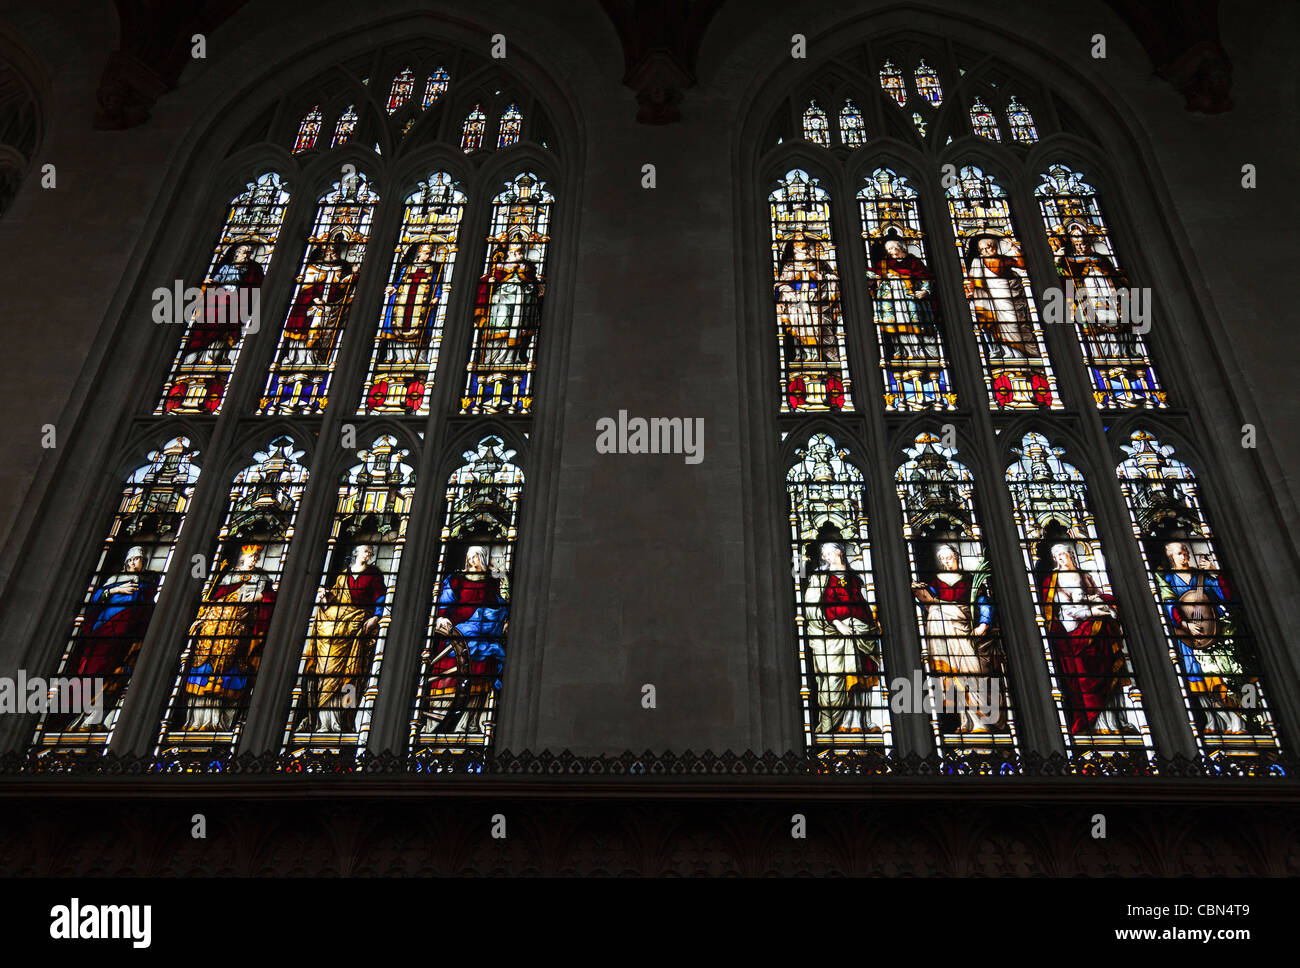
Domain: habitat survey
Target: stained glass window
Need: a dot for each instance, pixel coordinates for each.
(1016, 368)
(471, 135)
(436, 86)
(469, 622)
(1210, 640)
(982, 121)
(229, 301)
(119, 601)
(853, 130)
(810, 322)
(920, 122)
(409, 338)
(308, 131)
(403, 85)
(1096, 293)
(891, 79)
(512, 123)
(965, 662)
(338, 671)
(347, 124)
(904, 304)
(1093, 684)
(927, 84)
(299, 377)
(508, 301)
(844, 695)
(219, 664)
(816, 128)
(1021, 122)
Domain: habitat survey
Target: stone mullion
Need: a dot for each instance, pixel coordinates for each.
(1158, 683)
(1037, 723)
(900, 640)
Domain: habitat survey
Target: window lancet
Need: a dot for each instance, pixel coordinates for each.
(230, 300)
(338, 671)
(118, 605)
(853, 130)
(1021, 122)
(844, 696)
(816, 128)
(814, 356)
(1093, 684)
(346, 127)
(508, 302)
(469, 623)
(403, 85)
(982, 121)
(299, 378)
(436, 87)
(952, 583)
(308, 131)
(905, 305)
(510, 126)
(927, 84)
(1017, 372)
(891, 79)
(471, 136)
(1097, 295)
(1210, 641)
(407, 345)
(219, 663)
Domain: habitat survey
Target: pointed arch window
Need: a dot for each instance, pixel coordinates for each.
(810, 321)
(118, 606)
(229, 301)
(219, 664)
(299, 377)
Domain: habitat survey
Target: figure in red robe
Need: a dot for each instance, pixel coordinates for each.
(228, 303)
(471, 619)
